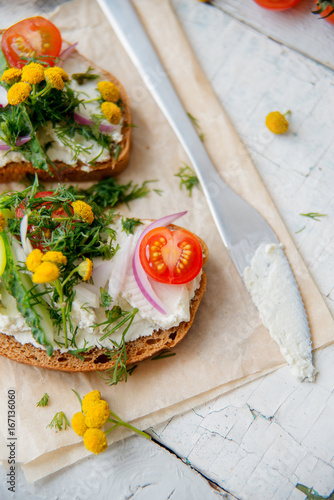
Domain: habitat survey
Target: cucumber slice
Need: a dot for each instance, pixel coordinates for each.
(3, 258)
(18, 284)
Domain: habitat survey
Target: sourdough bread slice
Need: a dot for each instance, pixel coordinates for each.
(97, 359)
(60, 171)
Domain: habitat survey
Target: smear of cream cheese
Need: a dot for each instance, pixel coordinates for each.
(273, 288)
(87, 313)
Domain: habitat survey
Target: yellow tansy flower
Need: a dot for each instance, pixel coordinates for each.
(34, 260)
(90, 399)
(78, 423)
(11, 75)
(56, 257)
(108, 91)
(97, 414)
(85, 269)
(2, 222)
(83, 210)
(18, 93)
(53, 78)
(112, 112)
(46, 272)
(33, 73)
(95, 441)
(277, 123)
(61, 72)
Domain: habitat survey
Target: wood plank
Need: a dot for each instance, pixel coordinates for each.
(296, 28)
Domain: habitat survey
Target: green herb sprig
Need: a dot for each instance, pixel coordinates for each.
(58, 421)
(314, 215)
(187, 178)
(44, 401)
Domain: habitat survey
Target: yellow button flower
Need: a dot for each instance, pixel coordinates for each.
(11, 75)
(277, 123)
(83, 210)
(90, 399)
(61, 72)
(33, 73)
(46, 272)
(97, 414)
(53, 78)
(85, 269)
(2, 222)
(78, 423)
(18, 93)
(34, 260)
(108, 91)
(95, 441)
(56, 257)
(111, 112)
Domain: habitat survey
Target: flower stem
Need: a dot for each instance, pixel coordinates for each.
(118, 421)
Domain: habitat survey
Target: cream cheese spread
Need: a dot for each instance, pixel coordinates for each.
(116, 276)
(273, 288)
(58, 149)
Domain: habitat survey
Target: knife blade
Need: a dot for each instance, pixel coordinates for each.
(247, 236)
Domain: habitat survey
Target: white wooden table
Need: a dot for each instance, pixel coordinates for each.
(260, 440)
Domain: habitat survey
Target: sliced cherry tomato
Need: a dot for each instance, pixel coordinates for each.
(325, 12)
(59, 212)
(173, 257)
(277, 4)
(32, 35)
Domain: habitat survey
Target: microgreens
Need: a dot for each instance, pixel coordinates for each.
(130, 224)
(82, 77)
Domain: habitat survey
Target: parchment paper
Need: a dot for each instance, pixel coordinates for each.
(227, 346)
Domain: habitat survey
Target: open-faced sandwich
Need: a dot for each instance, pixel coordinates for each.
(83, 288)
(61, 116)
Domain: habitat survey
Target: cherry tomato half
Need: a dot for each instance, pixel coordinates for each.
(173, 257)
(31, 35)
(277, 4)
(36, 236)
(325, 12)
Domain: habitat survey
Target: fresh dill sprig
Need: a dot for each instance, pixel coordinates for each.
(314, 215)
(187, 178)
(108, 193)
(163, 354)
(196, 125)
(81, 78)
(44, 400)
(58, 421)
(117, 354)
(129, 224)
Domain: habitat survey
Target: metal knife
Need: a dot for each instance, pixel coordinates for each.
(242, 229)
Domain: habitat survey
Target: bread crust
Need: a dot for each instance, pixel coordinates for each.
(14, 171)
(96, 359)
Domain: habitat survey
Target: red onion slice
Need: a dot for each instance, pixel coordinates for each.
(19, 142)
(3, 97)
(105, 129)
(65, 54)
(138, 271)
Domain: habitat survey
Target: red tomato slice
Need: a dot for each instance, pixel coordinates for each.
(277, 4)
(31, 35)
(173, 257)
(59, 212)
(326, 12)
